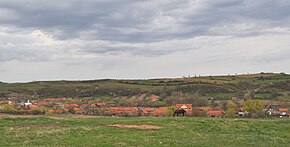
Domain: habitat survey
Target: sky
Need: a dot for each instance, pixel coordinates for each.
(141, 39)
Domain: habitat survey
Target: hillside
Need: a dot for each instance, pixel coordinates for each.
(265, 86)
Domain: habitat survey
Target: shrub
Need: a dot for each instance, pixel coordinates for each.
(231, 110)
(8, 107)
(169, 111)
(252, 106)
(197, 113)
(24, 112)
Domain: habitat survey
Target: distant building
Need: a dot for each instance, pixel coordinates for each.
(101, 104)
(186, 107)
(283, 111)
(55, 99)
(215, 113)
(204, 109)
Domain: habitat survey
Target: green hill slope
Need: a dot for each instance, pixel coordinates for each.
(254, 86)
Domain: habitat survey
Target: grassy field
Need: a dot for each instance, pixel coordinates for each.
(74, 130)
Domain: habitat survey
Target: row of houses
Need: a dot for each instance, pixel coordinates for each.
(207, 111)
(88, 106)
(211, 112)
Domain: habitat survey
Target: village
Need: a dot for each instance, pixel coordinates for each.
(89, 106)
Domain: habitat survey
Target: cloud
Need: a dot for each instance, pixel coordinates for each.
(112, 36)
(140, 21)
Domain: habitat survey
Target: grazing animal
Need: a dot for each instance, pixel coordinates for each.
(179, 111)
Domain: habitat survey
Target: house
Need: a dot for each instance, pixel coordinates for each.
(154, 98)
(204, 109)
(42, 103)
(241, 112)
(71, 105)
(215, 113)
(88, 105)
(51, 100)
(78, 110)
(186, 107)
(235, 98)
(50, 111)
(147, 111)
(101, 104)
(283, 111)
(124, 110)
(25, 105)
(268, 109)
(159, 111)
(58, 111)
(85, 99)
(33, 106)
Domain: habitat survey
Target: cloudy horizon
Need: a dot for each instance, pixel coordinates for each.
(130, 39)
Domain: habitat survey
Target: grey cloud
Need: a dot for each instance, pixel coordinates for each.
(21, 54)
(95, 34)
(133, 21)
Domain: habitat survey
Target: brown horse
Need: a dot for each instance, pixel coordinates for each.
(179, 111)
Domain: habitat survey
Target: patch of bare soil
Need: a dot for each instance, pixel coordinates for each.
(39, 126)
(57, 118)
(17, 116)
(74, 116)
(143, 127)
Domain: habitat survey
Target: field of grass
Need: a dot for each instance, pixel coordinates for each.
(74, 130)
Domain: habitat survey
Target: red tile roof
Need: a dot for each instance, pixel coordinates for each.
(283, 109)
(215, 113)
(123, 109)
(154, 98)
(33, 106)
(101, 104)
(147, 110)
(88, 105)
(159, 111)
(71, 105)
(55, 99)
(57, 111)
(41, 103)
(77, 109)
(189, 106)
(204, 108)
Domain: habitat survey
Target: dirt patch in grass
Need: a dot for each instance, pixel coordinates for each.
(143, 127)
(57, 118)
(17, 116)
(71, 116)
(39, 126)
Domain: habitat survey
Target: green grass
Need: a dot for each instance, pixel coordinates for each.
(68, 130)
(222, 96)
(263, 96)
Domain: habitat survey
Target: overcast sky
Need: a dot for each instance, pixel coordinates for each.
(94, 39)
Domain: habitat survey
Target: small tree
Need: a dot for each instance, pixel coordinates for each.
(169, 111)
(251, 106)
(255, 108)
(8, 107)
(231, 110)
